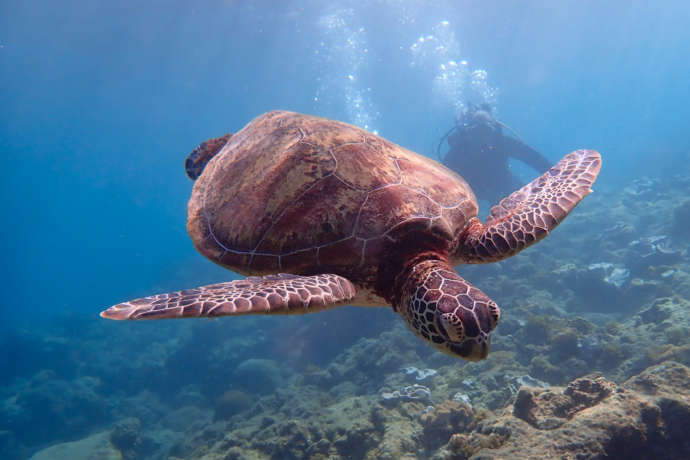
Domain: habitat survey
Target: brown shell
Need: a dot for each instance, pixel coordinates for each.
(301, 194)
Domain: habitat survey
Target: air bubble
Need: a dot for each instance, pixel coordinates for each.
(344, 54)
(453, 83)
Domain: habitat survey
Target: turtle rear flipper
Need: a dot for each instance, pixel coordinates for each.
(530, 213)
(281, 294)
(197, 160)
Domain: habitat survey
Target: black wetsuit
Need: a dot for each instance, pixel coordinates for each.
(479, 151)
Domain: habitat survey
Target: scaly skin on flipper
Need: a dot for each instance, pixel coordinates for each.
(530, 213)
(281, 293)
(196, 161)
(444, 309)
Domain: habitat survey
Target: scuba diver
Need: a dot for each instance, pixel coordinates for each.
(479, 151)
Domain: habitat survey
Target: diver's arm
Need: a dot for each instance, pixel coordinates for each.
(523, 152)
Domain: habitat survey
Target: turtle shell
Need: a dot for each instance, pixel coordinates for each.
(301, 194)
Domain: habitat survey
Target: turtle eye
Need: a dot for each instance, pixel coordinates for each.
(494, 314)
(451, 324)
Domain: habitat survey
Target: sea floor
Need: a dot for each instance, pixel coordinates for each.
(589, 361)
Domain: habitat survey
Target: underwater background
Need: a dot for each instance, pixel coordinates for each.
(101, 102)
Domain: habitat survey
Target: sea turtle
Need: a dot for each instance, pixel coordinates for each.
(320, 214)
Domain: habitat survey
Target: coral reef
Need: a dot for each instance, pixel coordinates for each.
(419, 374)
(411, 392)
(230, 403)
(257, 375)
(588, 360)
(590, 418)
(93, 447)
(448, 418)
(126, 438)
(681, 221)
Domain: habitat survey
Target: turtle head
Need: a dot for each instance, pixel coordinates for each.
(447, 311)
(456, 323)
(197, 160)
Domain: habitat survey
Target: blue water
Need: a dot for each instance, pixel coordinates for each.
(100, 102)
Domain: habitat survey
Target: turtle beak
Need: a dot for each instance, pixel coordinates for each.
(471, 349)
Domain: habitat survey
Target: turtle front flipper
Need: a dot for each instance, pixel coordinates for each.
(281, 294)
(530, 213)
(445, 310)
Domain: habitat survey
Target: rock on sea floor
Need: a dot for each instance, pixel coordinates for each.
(590, 418)
(95, 447)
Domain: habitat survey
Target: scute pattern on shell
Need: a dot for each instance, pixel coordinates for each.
(281, 293)
(293, 192)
